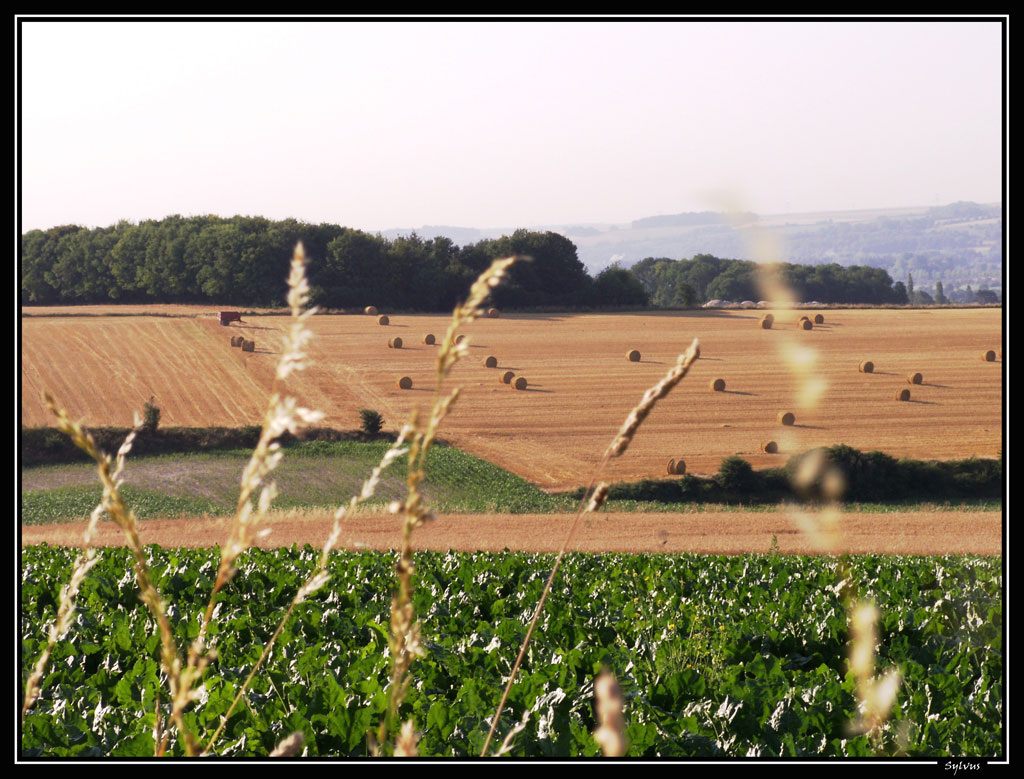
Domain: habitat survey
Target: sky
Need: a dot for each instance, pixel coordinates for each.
(393, 124)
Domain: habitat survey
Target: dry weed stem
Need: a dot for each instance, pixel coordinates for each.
(598, 496)
(610, 733)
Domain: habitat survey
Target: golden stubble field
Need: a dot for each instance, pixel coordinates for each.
(581, 386)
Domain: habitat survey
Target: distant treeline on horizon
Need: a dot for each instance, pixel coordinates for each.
(244, 261)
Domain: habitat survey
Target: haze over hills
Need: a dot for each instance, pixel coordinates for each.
(959, 244)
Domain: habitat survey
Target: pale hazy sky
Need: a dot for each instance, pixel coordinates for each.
(502, 124)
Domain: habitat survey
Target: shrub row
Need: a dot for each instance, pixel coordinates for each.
(879, 476)
(871, 476)
(48, 445)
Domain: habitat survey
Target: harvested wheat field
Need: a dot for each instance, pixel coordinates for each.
(580, 387)
(726, 532)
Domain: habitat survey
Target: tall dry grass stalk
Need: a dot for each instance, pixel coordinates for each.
(283, 414)
(266, 456)
(319, 577)
(610, 733)
(179, 678)
(404, 634)
(876, 695)
(85, 561)
(597, 497)
(823, 526)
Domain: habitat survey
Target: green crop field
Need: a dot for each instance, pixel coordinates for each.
(717, 656)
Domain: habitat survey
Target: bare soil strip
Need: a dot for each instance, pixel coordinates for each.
(901, 533)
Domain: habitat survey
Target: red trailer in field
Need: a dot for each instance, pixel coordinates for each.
(227, 317)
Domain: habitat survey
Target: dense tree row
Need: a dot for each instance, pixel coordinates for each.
(243, 261)
(688, 282)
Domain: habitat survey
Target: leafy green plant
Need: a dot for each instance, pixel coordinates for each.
(765, 641)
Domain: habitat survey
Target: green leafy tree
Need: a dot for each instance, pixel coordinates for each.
(553, 277)
(370, 421)
(737, 282)
(616, 286)
(686, 295)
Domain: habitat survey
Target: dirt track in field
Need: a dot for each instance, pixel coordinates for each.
(905, 533)
(581, 387)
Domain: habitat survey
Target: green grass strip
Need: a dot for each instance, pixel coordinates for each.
(71, 503)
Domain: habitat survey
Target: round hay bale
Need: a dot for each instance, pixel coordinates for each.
(717, 385)
(914, 378)
(394, 343)
(867, 367)
(767, 321)
(519, 383)
(383, 320)
(633, 356)
(676, 467)
(405, 383)
(459, 338)
(248, 346)
(493, 313)
(506, 377)
(806, 324)
(903, 394)
(786, 418)
(236, 340)
(370, 310)
(819, 319)
(491, 362)
(770, 447)
(428, 339)
(989, 356)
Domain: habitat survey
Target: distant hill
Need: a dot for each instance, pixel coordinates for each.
(693, 218)
(460, 236)
(959, 244)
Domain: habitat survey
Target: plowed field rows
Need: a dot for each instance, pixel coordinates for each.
(581, 387)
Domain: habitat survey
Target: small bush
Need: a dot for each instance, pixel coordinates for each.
(371, 421)
(150, 416)
(736, 475)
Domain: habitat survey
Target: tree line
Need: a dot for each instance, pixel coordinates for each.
(705, 277)
(243, 261)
